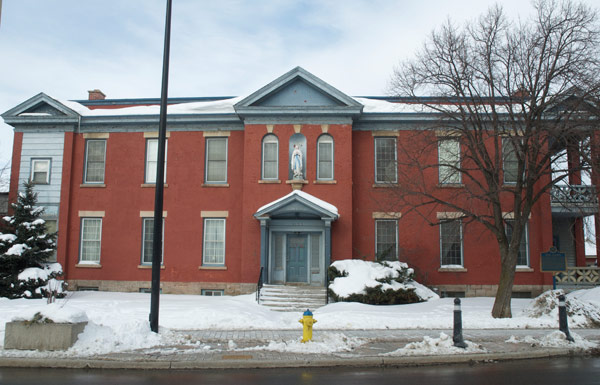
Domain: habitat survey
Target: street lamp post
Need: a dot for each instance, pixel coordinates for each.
(160, 175)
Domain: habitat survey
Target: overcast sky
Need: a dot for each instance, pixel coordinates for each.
(218, 48)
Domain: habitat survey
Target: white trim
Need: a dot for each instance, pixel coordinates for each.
(224, 228)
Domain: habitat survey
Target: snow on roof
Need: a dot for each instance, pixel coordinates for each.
(224, 106)
(321, 203)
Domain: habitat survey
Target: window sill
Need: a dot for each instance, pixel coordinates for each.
(385, 185)
(296, 181)
(162, 267)
(89, 265)
(269, 181)
(333, 181)
(215, 184)
(144, 185)
(452, 270)
(524, 269)
(212, 268)
(451, 185)
(88, 185)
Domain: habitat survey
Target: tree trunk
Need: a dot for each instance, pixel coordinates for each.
(507, 276)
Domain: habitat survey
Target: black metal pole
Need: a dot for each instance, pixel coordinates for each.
(160, 175)
(457, 337)
(563, 323)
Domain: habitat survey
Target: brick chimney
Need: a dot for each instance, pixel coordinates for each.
(96, 95)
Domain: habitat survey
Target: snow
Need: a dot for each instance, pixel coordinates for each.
(119, 321)
(556, 339)
(430, 346)
(40, 273)
(17, 249)
(7, 238)
(321, 203)
(362, 274)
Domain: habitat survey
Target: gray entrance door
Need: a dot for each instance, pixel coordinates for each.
(296, 266)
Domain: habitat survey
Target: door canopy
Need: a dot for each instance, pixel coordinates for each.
(298, 205)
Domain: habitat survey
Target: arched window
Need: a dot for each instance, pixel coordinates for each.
(325, 158)
(270, 150)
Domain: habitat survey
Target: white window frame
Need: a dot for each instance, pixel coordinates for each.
(143, 259)
(213, 292)
(86, 164)
(325, 139)
(270, 139)
(205, 241)
(35, 161)
(449, 162)
(442, 236)
(524, 240)
(395, 160)
(150, 177)
(84, 220)
(377, 222)
(207, 161)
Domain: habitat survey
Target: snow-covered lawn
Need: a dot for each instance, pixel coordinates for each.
(119, 321)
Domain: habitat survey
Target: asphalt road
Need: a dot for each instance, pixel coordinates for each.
(577, 370)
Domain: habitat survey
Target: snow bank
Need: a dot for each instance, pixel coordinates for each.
(435, 346)
(321, 344)
(55, 312)
(583, 307)
(362, 274)
(555, 339)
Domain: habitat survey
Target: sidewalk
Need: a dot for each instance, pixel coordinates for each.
(205, 349)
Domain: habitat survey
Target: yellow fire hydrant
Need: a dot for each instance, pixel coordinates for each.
(308, 321)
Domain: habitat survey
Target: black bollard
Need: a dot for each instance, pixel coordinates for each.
(563, 324)
(459, 342)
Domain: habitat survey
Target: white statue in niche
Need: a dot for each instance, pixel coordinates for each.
(297, 162)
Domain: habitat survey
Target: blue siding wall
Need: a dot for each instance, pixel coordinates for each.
(47, 146)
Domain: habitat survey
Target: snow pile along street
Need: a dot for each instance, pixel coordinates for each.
(431, 346)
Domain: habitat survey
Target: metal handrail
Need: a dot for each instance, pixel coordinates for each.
(574, 194)
(259, 285)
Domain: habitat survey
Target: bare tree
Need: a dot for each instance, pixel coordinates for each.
(508, 96)
(5, 177)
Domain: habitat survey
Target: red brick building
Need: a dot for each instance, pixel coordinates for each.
(288, 178)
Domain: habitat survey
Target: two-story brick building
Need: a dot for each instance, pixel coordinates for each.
(288, 178)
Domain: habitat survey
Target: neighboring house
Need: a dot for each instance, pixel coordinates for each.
(287, 178)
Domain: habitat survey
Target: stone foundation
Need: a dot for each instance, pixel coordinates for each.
(229, 288)
(527, 291)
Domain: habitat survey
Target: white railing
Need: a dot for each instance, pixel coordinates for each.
(580, 277)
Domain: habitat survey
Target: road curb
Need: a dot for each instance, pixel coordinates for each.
(369, 361)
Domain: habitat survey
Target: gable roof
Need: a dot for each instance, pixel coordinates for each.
(298, 91)
(40, 109)
(298, 204)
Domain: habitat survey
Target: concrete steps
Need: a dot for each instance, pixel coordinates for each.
(292, 298)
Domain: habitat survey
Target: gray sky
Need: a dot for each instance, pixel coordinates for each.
(218, 48)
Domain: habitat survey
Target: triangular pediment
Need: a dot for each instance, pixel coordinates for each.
(298, 205)
(39, 107)
(298, 90)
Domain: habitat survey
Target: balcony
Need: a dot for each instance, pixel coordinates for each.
(573, 200)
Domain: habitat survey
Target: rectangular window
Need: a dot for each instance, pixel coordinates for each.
(386, 235)
(213, 292)
(214, 241)
(91, 236)
(451, 243)
(510, 162)
(523, 257)
(278, 242)
(449, 161)
(40, 171)
(269, 153)
(148, 240)
(95, 157)
(325, 158)
(151, 160)
(216, 160)
(385, 160)
(315, 252)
